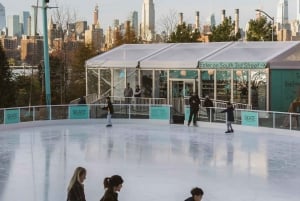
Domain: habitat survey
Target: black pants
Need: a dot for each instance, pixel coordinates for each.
(193, 115)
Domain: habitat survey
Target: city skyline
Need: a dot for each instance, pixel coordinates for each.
(120, 9)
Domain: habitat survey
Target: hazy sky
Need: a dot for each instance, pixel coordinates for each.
(120, 9)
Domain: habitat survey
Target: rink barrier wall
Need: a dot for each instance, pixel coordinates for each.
(165, 113)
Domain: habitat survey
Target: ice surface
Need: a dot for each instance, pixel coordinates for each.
(158, 161)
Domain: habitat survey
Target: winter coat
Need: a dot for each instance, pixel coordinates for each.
(76, 193)
(208, 103)
(194, 102)
(109, 107)
(229, 110)
(109, 195)
(189, 199)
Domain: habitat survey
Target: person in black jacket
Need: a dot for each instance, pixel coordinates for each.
(194, 102)
(197, 194)
(75, 188)
(208, 104)
(110, 110)
(112, 185)
(230, 117)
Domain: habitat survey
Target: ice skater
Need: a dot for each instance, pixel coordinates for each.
(194, 102)
(110, 110)
(197, 194)
(230, 117)
(75, 188)
(112, 185)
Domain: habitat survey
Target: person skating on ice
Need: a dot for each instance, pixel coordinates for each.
(230, 117)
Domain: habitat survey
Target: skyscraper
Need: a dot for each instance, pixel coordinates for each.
(2, 17)
(282, 14)
(148, 21)
(134, 22)
(13, 25)
(298, 10)
(24, 21)
(96, 15)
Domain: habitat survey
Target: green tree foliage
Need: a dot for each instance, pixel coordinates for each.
(128, 37)
(224, 32)
(28, 90)
(259, 30)
(184, 34)
(77, 81)
(7, 84)
(57, 80)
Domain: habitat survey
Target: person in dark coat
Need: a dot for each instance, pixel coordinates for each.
(110, 110)
(210, 111)
(197, 194)
(194, 102)
(112, 185)
(230, 117)
(75, 188)
(82, 100)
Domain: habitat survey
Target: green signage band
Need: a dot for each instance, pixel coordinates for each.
(250, 118)
(162, 112)
(232, 65)
(11, 116)
(79, 112)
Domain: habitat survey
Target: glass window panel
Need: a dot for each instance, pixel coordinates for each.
(161, 84)
(223, 85)
(105, 82)
(92, 81)
(146, 83)
(240, 86)
(119, 82)
(258, 89)
(207, 83)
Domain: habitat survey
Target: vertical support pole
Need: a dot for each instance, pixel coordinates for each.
(46, 55)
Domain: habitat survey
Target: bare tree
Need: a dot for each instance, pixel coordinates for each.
(168, 23)
(63, 15)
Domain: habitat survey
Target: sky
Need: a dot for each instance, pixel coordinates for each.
(120, 9)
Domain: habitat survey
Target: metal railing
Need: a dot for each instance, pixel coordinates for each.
(268, 119)
(133, 100)
(220, 103)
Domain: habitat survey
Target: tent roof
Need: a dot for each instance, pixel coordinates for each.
(251, 51)
(192, 55)
(127, 55)
(182, 55)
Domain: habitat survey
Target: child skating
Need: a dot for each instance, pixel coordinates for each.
(230, 117)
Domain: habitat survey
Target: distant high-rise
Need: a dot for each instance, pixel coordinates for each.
(134, 22)
(298, 10)
(24, 20)
(13, 25)
(96, 15)
(34, 22)
(148, 21)
(212, 20)
(2, 17)
(282, 13)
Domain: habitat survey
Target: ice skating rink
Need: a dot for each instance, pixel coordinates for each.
(158, 161)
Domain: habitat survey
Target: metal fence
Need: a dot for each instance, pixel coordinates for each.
(268, 119)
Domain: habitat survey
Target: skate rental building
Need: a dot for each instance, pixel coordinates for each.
(265, 75)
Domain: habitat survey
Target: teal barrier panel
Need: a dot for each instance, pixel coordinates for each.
(186, 113)
(11, 116)
(162, 112)
(79, 112)
(250, 118)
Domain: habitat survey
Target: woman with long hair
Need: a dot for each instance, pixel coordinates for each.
(76, 188)
(112, 185)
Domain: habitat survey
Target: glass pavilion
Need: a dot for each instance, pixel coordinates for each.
(265, 75)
